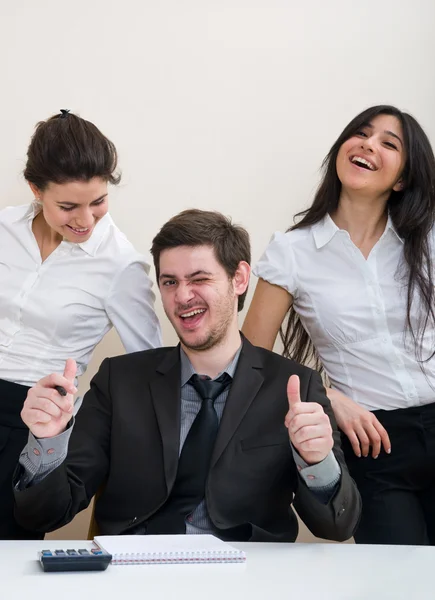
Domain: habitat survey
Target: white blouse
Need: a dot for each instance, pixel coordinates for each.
(354, 311)
(64, 306)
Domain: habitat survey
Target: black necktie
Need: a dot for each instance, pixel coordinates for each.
(194, 461)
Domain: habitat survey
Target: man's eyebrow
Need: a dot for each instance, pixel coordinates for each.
(188, 276)
(75, 203)
(196, 273)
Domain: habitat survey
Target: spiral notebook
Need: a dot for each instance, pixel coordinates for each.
(168, 549)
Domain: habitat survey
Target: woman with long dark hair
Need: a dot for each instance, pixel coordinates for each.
(67, 274)
(355, 278)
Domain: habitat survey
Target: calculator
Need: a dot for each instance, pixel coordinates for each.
(94, 559)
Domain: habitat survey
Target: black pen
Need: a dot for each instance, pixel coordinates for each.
(60, 389)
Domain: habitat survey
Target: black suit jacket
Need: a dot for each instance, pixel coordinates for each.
(126, 439)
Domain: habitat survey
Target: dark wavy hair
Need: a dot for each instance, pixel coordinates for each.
(412, 212)
(68, 148)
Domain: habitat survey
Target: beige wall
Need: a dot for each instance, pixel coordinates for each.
(221, 104)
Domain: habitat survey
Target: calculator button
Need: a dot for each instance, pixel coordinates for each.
(59, 552)
(46, 553)
(83, 552)
(71, 552)
(96, 552)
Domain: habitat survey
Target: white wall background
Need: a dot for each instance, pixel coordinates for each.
(218, 104)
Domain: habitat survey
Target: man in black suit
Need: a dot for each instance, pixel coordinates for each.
(212, 436)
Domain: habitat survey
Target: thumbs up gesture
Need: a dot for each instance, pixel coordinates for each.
(46, 410)
(308, 426)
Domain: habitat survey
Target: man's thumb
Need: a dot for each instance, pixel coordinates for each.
(70, 369)
(293, 391)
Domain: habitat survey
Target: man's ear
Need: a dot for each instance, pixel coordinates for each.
(241, 278)
(400, 185)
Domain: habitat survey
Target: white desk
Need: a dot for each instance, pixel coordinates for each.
(287, 571)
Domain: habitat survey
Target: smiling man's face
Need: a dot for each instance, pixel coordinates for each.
(198, 296)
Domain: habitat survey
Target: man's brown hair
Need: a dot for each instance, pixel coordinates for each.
(196, 227)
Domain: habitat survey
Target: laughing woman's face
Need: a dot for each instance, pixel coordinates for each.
(372, 160)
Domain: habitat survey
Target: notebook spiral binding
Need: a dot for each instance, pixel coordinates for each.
(151, 558)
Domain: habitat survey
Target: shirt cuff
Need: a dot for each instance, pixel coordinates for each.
(41, 456)
(321, 475)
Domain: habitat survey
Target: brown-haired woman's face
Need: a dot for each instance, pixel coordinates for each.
(73, 209)
(372, 160)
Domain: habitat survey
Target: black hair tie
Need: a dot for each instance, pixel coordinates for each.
(64, 113)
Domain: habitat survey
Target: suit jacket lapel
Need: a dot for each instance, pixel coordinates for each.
(166, 397)
(248, 380)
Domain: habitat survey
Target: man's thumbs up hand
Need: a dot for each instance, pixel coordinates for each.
(49, 405)
(70, 370)
(293, 391)
(308, 426)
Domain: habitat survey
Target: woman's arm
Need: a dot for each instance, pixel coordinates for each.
(266, 314)
(130, 307)
(361, 426)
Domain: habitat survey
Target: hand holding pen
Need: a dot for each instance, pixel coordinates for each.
(49, 405)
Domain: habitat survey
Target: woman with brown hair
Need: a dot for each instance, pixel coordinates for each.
(355, 276)
(67, 275)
